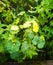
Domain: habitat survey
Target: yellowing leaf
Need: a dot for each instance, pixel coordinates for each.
(17, 21)
(14, 27)
(35, 26)
(42, 37)
(26, 24)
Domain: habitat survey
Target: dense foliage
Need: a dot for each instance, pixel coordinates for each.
(26, 27)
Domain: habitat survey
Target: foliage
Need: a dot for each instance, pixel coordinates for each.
(25, 27)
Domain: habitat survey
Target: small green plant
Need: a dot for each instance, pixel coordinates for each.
(25, 27)
(21, 39)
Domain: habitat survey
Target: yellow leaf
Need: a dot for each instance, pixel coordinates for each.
(35, 27)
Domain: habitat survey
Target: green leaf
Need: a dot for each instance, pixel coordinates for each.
(6, 35)
(4, 14)
(51, 23)
(1, 25)
(1, 9)
(16, 46)
(1, 30)
(17, 56)
(1, 48)
(41, 44)
(36, 39)
(13, 47)
(9, 45)
(30, 53)
(24, 46)
(14, 55)
(31, 35)
(21, 13)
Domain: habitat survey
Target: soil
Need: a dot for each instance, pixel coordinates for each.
(44, 62)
